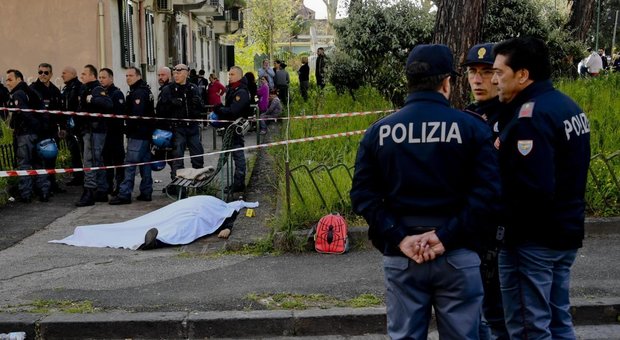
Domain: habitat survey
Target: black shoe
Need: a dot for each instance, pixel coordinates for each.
(101, 196)
(150, 240)
(44, 197)
(87, 199)
(145, 198)
(118, 200)
(75, 182)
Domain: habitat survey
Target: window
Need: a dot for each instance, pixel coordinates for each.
(150, 39)
(125, 16)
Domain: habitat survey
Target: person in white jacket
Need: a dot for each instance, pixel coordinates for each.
(594, 63)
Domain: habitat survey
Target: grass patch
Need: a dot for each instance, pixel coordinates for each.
(260, 248)
(44, 306)
(301, 301)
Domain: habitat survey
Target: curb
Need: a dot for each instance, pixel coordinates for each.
(240, 324)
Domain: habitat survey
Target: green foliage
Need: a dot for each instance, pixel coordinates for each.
(301, 301)
(374, 41)
(270, 21)
(511, 18)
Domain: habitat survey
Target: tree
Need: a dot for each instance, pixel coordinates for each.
(581, 17)
(332, 10)
(452, 17)
(378, 38)
(269, 21)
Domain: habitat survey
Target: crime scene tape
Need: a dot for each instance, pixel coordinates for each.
(35, 172)
(119, 116)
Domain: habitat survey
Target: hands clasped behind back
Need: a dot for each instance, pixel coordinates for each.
(422, 248)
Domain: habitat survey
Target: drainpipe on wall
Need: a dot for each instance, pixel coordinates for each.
(190, 44)
(142, 34)
(101, 18)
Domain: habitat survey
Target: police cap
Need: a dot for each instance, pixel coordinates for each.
(439, 57)
(480, 54)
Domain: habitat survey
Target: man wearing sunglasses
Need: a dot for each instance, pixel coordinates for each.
(182, 100)
(50, 95)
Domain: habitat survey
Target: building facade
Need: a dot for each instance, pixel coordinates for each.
(116, 34)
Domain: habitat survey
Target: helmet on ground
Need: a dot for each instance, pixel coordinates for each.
(214, 116)
(158, 156)
(162, 138)
(47, 149)
(158, 166)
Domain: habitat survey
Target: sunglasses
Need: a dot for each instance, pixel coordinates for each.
(47, 73)
(179, 69)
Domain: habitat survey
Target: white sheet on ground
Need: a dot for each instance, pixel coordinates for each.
(180, 222)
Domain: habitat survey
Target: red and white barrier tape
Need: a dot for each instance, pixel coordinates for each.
(111, 115)
(16, 173)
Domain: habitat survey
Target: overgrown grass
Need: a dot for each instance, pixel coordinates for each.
(597, 96)
(44, 306)
(301, 301)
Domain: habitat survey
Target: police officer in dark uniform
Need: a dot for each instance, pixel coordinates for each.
(114, 148)
(70, 100)
(93, 99)
(479, 69)
(28, 127)
(140, 102)
(181, 99)
(544, 152)
(426, 179)
(50, 94)
(236, 105)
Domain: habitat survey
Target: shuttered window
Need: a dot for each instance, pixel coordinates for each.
(150, 39)
(125, 16)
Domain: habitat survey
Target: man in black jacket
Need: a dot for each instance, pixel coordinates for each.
(50, 94)
(114, 148)
(182, 100)
(70, 99)
(236, 105)
(93, 99)
(28, 127)
(139, 103)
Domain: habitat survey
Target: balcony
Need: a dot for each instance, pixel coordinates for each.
(229, 23)
(201, 8)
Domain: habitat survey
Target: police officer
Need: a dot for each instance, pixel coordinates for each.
(479, 69)
(50, 94)
(114, 148)
(426, 178)
(236, 105)
(181, 99)
(27, 130)
(544, 152)
(70, 99)
(93, 99)
(140, 103)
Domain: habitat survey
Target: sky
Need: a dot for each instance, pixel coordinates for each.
(318, 6)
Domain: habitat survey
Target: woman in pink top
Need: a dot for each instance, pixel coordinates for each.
(263, 94)
(215, 91)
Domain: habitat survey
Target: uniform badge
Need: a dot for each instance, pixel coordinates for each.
(137, 101)
(481, 52)
(525, 146)
(526, 110)
(237, 98)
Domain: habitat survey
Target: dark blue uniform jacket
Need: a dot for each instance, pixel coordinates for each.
(544, 157)
(236, 103)
(140, 102)
(100, 102)
(22, 122)
(116, 126)
(426, 165)
(180, 101)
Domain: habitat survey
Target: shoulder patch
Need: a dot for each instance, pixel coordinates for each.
(526, 110)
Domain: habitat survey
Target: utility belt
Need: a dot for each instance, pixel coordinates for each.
(421, 224)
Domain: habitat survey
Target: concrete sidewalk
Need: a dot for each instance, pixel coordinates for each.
(193, 291)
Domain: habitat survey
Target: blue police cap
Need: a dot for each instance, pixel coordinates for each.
(480, 54)
(439, 57)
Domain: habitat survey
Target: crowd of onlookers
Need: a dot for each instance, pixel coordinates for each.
(184, 96)
(596, 62)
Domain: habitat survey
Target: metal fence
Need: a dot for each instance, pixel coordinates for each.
(7, 155)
